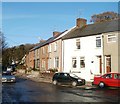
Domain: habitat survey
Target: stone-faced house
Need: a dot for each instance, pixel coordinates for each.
(55, 51)
(44, 54)
(31, 59)
(54, 61)
(92, 49)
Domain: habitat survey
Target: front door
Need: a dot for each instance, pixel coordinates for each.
(100, 64)
(108, 63)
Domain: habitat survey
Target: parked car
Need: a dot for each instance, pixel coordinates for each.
(67, 78)
(8, 77)
(109, 79)
(11, 68)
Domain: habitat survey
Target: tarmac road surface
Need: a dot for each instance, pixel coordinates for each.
(25, 90)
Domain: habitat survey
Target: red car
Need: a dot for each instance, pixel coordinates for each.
(109, 79)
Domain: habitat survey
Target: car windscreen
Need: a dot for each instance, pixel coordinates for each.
(6, 73)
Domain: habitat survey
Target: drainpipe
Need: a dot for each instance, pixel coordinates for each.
(63, 55)
(103, 58)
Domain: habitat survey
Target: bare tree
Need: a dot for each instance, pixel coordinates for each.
(3, 43)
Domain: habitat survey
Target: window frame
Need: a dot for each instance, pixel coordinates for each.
(111, 36)
(55, 46)
(82, 59)
(98, 41)
(56, 60)
(74, 59)
(49, 50)
(78, 44)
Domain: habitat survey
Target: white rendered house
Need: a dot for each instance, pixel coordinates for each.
(85, 59)
(85, 49)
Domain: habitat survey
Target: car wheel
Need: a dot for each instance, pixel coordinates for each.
(55, 82)
(101, 85)
(74, 83)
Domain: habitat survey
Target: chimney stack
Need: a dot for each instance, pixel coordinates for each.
(41, 41)
(55, 33)
(80, 22)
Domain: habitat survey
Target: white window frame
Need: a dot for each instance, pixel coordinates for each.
(38, 63)
(82, 59)
(55, 46)
(111, 36)
(43, 64)
(78, 42)
(74, 59)
(43, 50)
(56, 62)
(98, 39)
(49, 50)
(49, 63)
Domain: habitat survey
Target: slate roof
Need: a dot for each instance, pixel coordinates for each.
(93, 29)
(46, 42)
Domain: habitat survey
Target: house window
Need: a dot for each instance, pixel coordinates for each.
(78, 43)
(43, 64)
(56, 62)
(98, 41)
(111, 38)
(55, 46)
(43, 50)
(49, 50)
(82, 62)
(49, 63)
(38, 63)
(37, 52)
(74, 62)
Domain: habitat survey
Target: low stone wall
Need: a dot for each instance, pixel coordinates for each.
(21, 71)
(35, 73)
(46, 75)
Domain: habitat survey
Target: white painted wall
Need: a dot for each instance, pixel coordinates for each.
(88, 50)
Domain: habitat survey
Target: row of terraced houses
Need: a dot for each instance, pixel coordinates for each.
(85, 49)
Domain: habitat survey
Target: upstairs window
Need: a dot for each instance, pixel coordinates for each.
(49, 49)
(78, 43)
(111, 38)
(43, 50)
(74, 62)
(37, 52)
(55, 46)
(98, 41)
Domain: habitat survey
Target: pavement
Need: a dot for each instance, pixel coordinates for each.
(46, 79)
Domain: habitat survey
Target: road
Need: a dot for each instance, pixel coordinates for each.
(25, 90)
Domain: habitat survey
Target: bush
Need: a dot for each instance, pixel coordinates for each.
(20, 67)
(34, 69)
(53, 70)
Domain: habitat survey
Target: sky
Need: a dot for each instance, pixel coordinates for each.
(28, 22)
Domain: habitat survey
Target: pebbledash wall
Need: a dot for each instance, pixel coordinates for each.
(111, 50)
